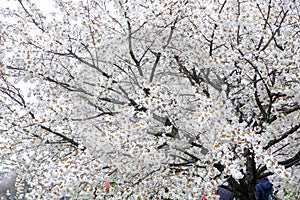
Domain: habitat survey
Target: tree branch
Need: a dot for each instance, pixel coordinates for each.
(137, 63)
(154, 66)
(171, 33)
(276, 31)
(71, 141)
(184, 70)
(285, 135)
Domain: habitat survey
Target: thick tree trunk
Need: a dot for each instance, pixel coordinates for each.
(251, 175)
(244, 189)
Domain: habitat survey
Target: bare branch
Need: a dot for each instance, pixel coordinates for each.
(184, 70)
(30, 15)
(285, 135)
(171, 33)
(154, 67)
(96, 116)
(137, 63)
(71, 141)
(276, 31)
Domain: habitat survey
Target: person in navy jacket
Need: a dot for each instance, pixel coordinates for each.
(264, 188)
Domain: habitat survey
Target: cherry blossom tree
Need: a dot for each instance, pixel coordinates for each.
(151, 99)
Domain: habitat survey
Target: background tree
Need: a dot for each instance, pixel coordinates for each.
(161, 99)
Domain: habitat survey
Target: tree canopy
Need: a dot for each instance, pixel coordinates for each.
(160, 99)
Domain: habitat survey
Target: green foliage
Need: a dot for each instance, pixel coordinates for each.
(113, 184)
(289, 192)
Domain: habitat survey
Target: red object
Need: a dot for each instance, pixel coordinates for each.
(107, 185)
(204, 198)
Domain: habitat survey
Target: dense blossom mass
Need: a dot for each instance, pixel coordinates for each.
(150, 99)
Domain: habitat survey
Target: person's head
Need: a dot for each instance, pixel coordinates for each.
(225, 194)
